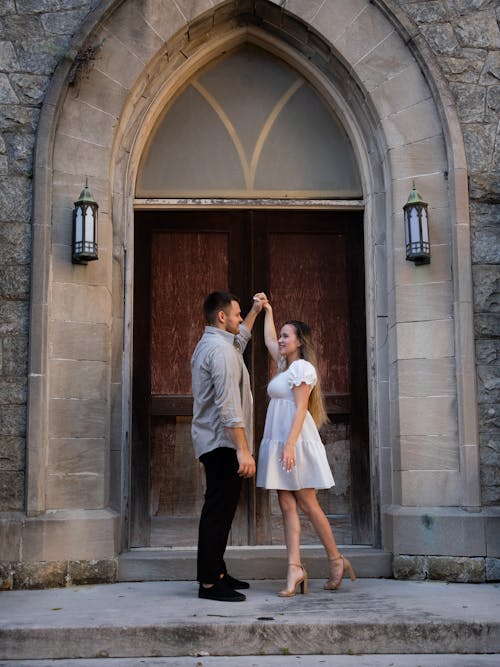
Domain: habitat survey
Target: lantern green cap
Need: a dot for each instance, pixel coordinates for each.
(86, 196)
(415, 197)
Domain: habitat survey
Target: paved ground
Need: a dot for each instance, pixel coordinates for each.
(447, 660)
(134, 622)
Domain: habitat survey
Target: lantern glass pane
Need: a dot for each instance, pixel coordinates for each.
(407, 226)
(425, 227)
(89, 225)
(414, 226)
(79, 226)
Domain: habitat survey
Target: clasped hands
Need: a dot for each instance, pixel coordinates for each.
(260, 300)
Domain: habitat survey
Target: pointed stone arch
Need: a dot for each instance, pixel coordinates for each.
(367, 59)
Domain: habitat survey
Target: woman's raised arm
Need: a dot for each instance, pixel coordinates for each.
(270, 337)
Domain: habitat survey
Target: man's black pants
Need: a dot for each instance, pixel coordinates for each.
(221, 499)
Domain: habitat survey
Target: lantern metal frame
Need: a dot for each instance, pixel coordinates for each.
(84, 246)
(416, 223)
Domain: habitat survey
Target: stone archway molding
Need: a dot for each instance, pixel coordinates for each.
(188, 48)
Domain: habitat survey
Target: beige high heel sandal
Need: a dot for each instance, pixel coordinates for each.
(334, 584)
(302, 582)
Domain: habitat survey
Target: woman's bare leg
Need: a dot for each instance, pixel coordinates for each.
(307, 501)
(291, 525)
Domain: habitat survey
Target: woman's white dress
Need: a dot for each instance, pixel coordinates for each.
(312, 469)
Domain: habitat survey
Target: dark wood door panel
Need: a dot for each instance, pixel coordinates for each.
(183, 271)
(311, 265)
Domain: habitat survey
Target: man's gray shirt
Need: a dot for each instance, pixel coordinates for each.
(221, 390)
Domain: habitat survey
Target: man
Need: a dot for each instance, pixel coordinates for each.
(222, 434)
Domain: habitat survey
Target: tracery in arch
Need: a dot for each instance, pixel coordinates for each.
(249, 126)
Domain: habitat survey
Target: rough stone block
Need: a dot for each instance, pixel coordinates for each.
(492, 569)
(490, 464)
(14, 282)
(6, 578)
(489, 417)
(11, 490)
(486, 281)
(479, 30)
(15, 198)
(479, 145)
(488, 352)
(488, 384)
(12, 450)
(28, 575)
(441, 38)
(456, 570)
(13, 317)
(30, 89)
(84, 573)
(486, 325)
(13, 391)
(485, 234)
(14, 355)
(409, 567)
(470, 100)
(10, 536)
(493, 533)
(64, 23)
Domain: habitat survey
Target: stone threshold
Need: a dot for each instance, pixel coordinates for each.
(251, 562)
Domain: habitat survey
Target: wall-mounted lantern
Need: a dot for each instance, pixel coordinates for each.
(418, 247)
(85, 228)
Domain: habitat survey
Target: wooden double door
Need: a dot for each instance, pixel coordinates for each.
(311, 264)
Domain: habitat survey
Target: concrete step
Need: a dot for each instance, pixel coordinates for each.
(415, 660)
(167, 619)
(262, 562)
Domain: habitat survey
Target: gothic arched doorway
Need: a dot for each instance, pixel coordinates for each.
(250, 130)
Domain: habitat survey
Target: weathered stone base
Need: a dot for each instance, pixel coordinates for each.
(446, 568)
(56, 574)
(451, 532)
(58, 548)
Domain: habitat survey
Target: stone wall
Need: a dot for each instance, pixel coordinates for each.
(465, 37)
(34, 36)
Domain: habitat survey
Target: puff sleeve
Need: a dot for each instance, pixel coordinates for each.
(301, 371)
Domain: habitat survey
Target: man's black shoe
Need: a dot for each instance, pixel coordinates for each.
(220, 591)
(235, 583)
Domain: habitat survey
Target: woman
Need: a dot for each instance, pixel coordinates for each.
(292, 458)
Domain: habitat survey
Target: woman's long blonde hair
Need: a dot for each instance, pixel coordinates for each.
(316, 405)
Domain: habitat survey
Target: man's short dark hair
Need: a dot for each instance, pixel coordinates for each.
(215, 302)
